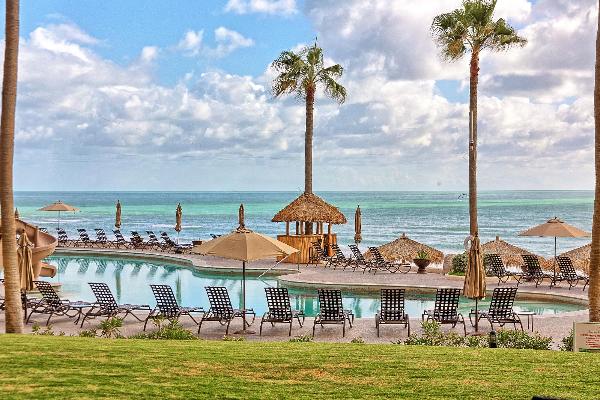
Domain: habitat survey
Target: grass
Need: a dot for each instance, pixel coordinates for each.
(82, 368)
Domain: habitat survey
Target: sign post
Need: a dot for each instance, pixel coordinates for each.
(586, 337)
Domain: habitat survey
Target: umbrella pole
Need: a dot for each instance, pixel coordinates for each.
(244, 331)
(554, 263)
(58, 220)
(476, 315)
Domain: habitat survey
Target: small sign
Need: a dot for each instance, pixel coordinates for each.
(586, 337)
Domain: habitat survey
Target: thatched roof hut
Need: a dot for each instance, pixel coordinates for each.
(309, 207)
(580, 257)
(510, 254)
(405, 249)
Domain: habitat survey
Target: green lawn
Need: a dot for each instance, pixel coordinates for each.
(34, 367)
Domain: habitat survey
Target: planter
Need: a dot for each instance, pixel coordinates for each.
(422, 263)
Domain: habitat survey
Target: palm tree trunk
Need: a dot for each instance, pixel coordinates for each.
(594, 290)
(473, 142)
(308, 143)
(12, 285)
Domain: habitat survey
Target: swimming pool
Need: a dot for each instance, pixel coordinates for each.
(129, 279)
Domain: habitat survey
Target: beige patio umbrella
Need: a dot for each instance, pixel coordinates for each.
(244, 245)
(555, 228)
(178, 215)
(25, 262)
(357, 226)
(241, 222)
(118, 215)
(59, 207)
(474, 286)
(17, 216)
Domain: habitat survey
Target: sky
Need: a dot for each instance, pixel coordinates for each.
(155, 95)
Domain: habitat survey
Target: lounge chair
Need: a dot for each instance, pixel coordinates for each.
(102, 239)
(331, 310)
(317, 255)
(569, 274)
(137, 242)
(2, 297)
(389, 266)
(84, 239)
(52, 304)
(445, 311)
(392, 309)
(44, 230)
(501, 309)
(120, 240)
(175, 247)
(25, 301)
(221, 309)
(62, 237)
(496, 267)
(153, 241)
(167, 306)
(360, 261)
(280, 309)
(534, 271)
(107, 306)
(340, 259)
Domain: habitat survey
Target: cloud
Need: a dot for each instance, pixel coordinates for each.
(226, 42)
(283, 7)
(191, 43)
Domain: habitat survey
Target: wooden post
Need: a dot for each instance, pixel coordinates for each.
(329, 229)
(297, 228)
(287, 228)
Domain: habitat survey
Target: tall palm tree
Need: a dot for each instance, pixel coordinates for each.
(12, 286)
(301, 73)
(594, 290)
(473, 29)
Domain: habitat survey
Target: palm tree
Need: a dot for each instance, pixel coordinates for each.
(12, 285)
(594, 290)
(473, 29)
(301, 73)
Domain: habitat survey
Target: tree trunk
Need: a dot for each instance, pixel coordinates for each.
(473, 142)
(594, 290)
(12, 284)
(308, 143)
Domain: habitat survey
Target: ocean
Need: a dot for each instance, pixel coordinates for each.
(439, 219)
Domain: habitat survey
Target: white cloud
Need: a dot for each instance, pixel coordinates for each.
(229, 41)
(191, 43)
(283, 7)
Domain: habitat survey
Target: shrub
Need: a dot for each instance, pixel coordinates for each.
(433, 336)
(36, 329)
(301, 339)
(88, 333)
(110, 328)
(566, 344)
(459, 264)
(358, 340)
(171, 331)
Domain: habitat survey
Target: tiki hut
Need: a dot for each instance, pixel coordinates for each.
(405, 249)
(509, 253)
(580, 257)
(308, 211)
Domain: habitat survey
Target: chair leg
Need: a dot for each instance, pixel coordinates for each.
(290, 334)
(344, 329)
(200, 324)
(314, 326)
(48, 321)
(408, 324)
(260, 330)
(227, 329)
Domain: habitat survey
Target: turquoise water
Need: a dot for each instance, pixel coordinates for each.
(439, 219)
(129, 280)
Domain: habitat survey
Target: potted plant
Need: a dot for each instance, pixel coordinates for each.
(422, 260)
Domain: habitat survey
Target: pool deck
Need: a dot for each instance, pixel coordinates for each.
(292, 275)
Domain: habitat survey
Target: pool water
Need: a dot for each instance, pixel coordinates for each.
(129, 281)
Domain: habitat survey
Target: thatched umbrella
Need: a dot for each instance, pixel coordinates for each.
(118, 215)
(405, 249)
(357, 225)
(580, 257)
(510, 254)
(308, 207)
(474, 286)
(25, 262)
